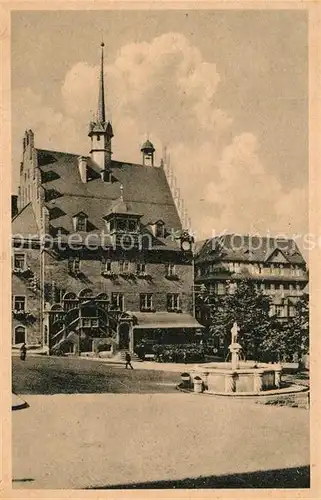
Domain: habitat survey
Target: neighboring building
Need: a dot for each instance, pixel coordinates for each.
(99, 252)
(276, 265)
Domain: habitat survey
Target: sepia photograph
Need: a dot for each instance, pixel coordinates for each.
(160, 249)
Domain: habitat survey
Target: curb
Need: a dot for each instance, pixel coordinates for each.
(239, 395)
(18, 403)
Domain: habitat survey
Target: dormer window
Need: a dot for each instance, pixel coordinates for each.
(123, 225)
(74, 265)
(80, 222)
(158, 229)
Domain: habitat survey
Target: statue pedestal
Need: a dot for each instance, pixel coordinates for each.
(235, 350)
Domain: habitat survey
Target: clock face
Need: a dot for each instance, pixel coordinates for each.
(186, 245)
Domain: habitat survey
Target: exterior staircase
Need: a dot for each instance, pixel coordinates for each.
(133, 355)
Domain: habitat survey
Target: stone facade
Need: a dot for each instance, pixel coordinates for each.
(275, 265)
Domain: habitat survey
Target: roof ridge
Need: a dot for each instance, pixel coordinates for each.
(22, 210)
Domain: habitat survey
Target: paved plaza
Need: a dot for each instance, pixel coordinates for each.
(118, 440)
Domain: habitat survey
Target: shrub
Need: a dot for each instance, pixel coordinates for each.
(103, 346)
(188, 353)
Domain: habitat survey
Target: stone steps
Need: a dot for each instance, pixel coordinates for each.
(133, 355)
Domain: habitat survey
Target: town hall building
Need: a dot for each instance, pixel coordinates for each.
(99, 251)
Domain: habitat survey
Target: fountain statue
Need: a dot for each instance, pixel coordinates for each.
(234, 347)
(234, 377)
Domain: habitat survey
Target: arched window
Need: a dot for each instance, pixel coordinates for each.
(19, 334)
(70, 301)
(85, 293)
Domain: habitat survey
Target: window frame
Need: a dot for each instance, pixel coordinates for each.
(81, 220)
(140, 267)
(124, 266)
(174, 298)
(160, 230)
(24, 297)
(146, 302)
(23, 254)
(171, 269)
(120, 301)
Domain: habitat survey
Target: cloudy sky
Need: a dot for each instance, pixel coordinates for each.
(225, 91)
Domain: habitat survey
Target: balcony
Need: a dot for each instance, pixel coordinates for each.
(22, 315)
(24, 272)
(109, 274)
(172, 277)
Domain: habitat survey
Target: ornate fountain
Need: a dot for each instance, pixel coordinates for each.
(238, 377)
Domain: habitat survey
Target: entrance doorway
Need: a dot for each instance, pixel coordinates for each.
(124, 335)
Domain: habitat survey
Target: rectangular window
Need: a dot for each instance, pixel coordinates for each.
(159, 230)
(81, 224)
(141, 268)
(106, 265)
(19, 303)
(280, 311)
(170, 270)
(146, 301)
(117, 301)
(74, 265)
(272, 310)
(172, 301)
(123, 266)
(220, 288)
(291, 311)
(121, 225)
(19, 261)
(132, 225)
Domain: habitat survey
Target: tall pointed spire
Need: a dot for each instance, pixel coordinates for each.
(100, 129)
(101, 115)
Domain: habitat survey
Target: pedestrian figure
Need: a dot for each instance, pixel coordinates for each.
(128, 361)
(23, 352)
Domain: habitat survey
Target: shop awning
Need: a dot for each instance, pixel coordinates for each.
(165, 320)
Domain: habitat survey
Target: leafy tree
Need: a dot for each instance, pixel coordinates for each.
(298, 341)
(262, 337)
(249, 307)
(290, 338)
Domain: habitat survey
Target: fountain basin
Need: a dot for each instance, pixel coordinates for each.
(250, 380)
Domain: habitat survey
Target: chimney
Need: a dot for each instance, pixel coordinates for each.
(82, 165)
(14, 205)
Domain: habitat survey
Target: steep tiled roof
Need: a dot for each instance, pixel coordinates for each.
(24, 222)
(246, 248)
(145, 191)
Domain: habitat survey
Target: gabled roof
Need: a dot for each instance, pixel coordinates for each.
(276, 255)
(146, 191)
(24, 222)
(247, 248)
